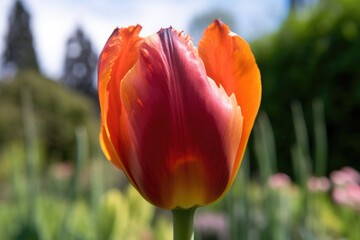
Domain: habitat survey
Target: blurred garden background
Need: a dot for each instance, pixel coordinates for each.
(300, 176)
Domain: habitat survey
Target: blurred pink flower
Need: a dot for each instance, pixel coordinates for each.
(345, 176)
(353, 192)
(62, 170)
(349, 196)
(339, 195)
(214, 224)
(279, 180)
(318, 184)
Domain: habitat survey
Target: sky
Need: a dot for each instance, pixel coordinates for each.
(54, 21)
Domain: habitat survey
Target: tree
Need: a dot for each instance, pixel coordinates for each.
(19, 50)
(310, 58)
(80, 64)
(297, 4)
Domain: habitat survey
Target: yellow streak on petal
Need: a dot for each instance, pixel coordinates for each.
(188, 183)
(108, 149)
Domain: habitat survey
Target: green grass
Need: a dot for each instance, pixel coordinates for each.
(89, 199)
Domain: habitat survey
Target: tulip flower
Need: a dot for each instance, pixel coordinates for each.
(176, 118)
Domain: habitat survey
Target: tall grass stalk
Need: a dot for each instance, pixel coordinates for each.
(300, 127)
(237, 203)
(302, 168)
(97, 181)
(320, 137)
(82, 155)
(244, 193)
(300, 150)
(265, 151)
(264, 146)
(31, 161)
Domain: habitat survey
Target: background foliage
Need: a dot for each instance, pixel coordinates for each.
(315, 54)
(58, 112)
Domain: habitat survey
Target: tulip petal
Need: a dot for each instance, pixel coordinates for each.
(117, 58)
(184, 130)
(229, 61)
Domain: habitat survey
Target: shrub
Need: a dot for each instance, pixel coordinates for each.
(315, 54)
(58, 111)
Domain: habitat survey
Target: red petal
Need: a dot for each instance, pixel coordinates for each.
(184, 131)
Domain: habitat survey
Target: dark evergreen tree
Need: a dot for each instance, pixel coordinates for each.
(19, 50)
(80, 64)
(296, 4)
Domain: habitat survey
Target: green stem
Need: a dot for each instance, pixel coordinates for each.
(183, 223)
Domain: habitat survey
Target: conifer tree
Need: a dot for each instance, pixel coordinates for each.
(296, 4)
(19, 51)
(80, 64)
